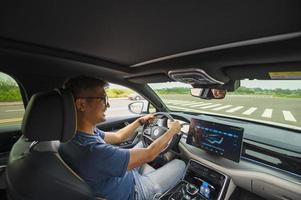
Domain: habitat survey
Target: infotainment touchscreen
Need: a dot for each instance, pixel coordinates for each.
(221, 139)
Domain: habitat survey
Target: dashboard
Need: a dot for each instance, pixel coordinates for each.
(258, 166)
(271, 170)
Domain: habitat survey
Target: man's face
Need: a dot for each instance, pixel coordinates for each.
(92, 106)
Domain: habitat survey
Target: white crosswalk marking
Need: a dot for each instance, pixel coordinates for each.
(234, 109)
(16, 110)
(222, 107)
(205, 104)
(188, 105)
(249, 111)
(211, 106)
(197, 105)
(178, 103)
(267, 113)
(179, 108)
(288, 116)
(184, 104)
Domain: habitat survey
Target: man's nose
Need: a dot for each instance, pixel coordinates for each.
(108, 105)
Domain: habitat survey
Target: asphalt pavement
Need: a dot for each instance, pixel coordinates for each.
(268, 109)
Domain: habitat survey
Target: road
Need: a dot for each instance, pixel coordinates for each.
(279, 110)
(268, 109)
(12, 113)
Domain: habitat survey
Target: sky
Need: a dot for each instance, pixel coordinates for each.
(264, 84)
(272, 84)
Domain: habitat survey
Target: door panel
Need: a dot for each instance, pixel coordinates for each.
(113, 124)
(8, 137)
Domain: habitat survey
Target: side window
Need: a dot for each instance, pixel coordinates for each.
(11, 104)
(119, 98)
(152, 109)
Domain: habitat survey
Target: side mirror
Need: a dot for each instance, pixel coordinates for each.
(208, 93)
(136, 107)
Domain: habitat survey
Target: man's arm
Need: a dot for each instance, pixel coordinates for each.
(124, 133)
(140, 156)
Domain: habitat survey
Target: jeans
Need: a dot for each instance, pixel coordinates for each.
(150, 183)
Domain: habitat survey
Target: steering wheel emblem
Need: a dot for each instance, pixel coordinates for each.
(156, 132)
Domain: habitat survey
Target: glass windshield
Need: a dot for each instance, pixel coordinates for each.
(275, 102)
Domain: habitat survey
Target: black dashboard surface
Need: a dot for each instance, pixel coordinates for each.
(279, 155)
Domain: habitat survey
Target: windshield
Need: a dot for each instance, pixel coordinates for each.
(275, 102)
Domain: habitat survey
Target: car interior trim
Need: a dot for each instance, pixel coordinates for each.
(245, 179)
(262, 40)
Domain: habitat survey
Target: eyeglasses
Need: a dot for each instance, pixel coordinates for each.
(105, 99)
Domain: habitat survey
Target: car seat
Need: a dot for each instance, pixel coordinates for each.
(35, 170)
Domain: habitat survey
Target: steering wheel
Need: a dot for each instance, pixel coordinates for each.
(152, 131)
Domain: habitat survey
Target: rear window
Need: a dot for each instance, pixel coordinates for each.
(11, 104)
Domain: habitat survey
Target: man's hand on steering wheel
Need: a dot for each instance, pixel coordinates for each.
(146, 119)
(175, 127)
(158, 127)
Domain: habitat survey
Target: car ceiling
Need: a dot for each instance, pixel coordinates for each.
(134, 40)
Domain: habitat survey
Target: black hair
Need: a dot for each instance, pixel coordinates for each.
(81, 83)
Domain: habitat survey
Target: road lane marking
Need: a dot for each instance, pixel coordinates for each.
(184, 109)
(211, 106)
(197, 105)
(234, 109)
(182, 103)
(222, 107)
(16, 110)
(239, 117)
(288, 116)
(192, 104)
(249, 111)
(2, 121)
(185, 104)
(205, 104)
(174, 103)
(267, 113)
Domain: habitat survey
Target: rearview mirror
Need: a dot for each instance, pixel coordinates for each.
(208, 93)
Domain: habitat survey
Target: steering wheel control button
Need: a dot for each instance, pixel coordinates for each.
(156, 132)
(147, 132)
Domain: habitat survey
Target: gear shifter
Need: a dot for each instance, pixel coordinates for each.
(191, 189)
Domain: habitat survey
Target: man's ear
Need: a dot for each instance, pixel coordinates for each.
(80, 105)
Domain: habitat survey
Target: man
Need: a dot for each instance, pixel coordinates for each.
(218, 93)
(112, 172)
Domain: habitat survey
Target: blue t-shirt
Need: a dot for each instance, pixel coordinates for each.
(102, 166)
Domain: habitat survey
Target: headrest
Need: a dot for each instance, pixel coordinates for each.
(50, 116)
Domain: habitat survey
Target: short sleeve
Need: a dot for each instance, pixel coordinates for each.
(100, 133)
(110, 160)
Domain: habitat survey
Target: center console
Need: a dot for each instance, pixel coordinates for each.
(199, 183)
